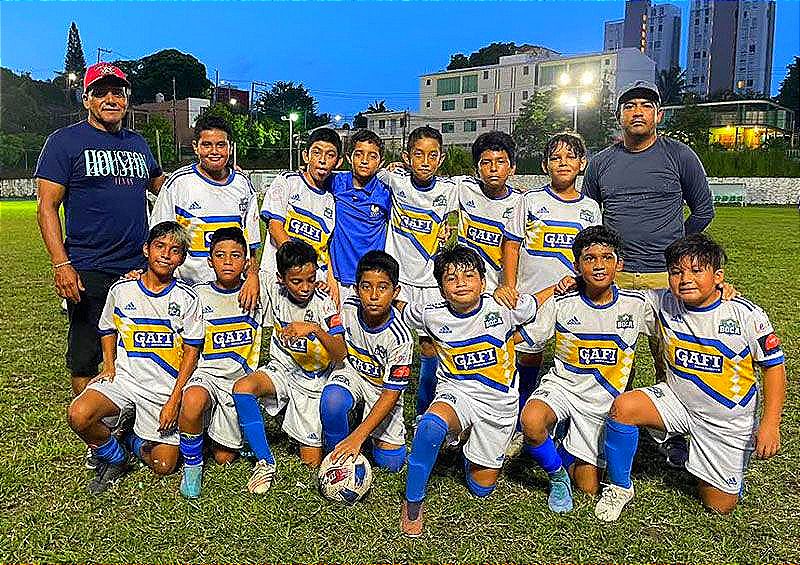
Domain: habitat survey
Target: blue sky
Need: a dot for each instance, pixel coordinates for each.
(348, 54)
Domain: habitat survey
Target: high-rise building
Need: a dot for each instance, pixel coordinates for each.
(634, 33)
(664, 35)
(612, 35)
(730, 46)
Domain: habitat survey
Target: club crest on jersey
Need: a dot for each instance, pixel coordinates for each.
(153, 340)
(416, 224)
(381, 352)
(730, 326)
(232, 338)
(508, 212)
(587, 215)
(328, 213)
(492, 319)
(374, 211)
(174, 309)
(474, 360)
(440, 200)
(294, 198)
(484, 236)
(401, 194)
(298, 227)
(470, 203)
(597, 355)
(624, 321)
(558, 240)
(308, 316)
(698, 361)
(243, 205)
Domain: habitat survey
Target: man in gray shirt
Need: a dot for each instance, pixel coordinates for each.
(641, 184)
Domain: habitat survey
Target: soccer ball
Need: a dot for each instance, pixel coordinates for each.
(345, 481)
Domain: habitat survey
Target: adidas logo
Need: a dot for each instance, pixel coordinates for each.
(194, 205)
(207, 309)
(574, 321)
(312, 435)
(470, 203)
(445, 330)
(543, 210)
(130, 306)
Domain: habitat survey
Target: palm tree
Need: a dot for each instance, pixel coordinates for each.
(671, 85)
(377, 106)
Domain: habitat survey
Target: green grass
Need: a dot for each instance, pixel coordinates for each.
(46, 515)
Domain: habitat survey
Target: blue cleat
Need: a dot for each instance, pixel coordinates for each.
(560, 498)
(191, 481)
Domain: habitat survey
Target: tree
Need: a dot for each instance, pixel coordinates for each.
(789, 93)
(247, 132)
(539, 118)
(74, 61)
(285, 97)
(154, 73)
(360, 120)
(157, 122)
(671, 85)
(489, 55)
(690, 124)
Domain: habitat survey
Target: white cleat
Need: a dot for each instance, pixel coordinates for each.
(612, 501)
(262, 476)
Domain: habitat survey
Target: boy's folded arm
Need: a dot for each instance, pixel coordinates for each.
(351, 445)
(334, 344)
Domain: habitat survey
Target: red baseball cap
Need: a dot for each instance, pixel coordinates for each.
(102, 71)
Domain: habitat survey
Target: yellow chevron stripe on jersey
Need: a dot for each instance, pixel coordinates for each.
(202, 228)
(484, 359)
(551, 239)
(483, 235)
(307, 352)
(366, 366)
(150, 338)
(725, 375)
(237, 338)
(421, 227)
(302, 224)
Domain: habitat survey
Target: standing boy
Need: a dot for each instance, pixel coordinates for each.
(151, 333)
(421, 204)
(380, 349)
(307, 341)
(712, 347)
(206, 196)
(230, 351)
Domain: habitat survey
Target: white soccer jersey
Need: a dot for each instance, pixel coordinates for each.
(711, 353)
(417, 218)
(381, 356)
(203, 206)
(151, 330)
(483, 224)
(307, 213)
(233, 338)
(595, 345)
(547, 225)
(305, 358)
(476, 350)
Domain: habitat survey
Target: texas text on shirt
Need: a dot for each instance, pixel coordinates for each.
(547, 225)
(418, 214)
(476, 350)
(203, 206)
(483, 224)
(307, 213)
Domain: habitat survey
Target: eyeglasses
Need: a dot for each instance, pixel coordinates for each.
(103, 90)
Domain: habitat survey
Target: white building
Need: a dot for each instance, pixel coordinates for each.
(664, 36)
(754, 42)
(612, 35)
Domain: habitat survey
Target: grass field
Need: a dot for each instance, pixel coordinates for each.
(46, 515)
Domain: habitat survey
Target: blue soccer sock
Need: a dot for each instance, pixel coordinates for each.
(545, 455)
(430, 435)
(390, 459)
(191, 446)
(620, 446)
(252, 425)
(133, 443)
(111, 451)
(528, 381)
(474, 487)
(334, 408)
(427, 382)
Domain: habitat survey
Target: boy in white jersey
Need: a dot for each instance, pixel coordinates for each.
(209, 195)
(230, 351)
(477, 386)
(380, 349)
(421, 204)
(488, 204)
(711, 348)
(300, 205)
(307, 341)
(596, 329)
(151, 332)
(540, 253)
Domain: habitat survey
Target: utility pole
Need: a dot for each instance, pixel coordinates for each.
(175, 117)
(100, 52)
(216, 86)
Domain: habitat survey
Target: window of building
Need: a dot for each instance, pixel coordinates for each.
(749, 82)
(524, 94)
(445, 86)
(705, 53)
(607, 62)
(470, 125)
(381, 124)
(448, 127)
(525, 70)
(402, 122)
(485, 98)
(427, 82)
(448, 105)
(660, 27)
(483, 123)
(470, 103)
(428, 104)
(697, 54)
(469, 83)
(657, 44)
(752, 48)
(485, 75)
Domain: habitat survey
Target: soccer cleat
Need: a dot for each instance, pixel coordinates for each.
(261, 479)
(107, 475)
(677, 452)
(90, 460)
(191, 481)
(560, 498)
(515, 445)
(411, 528)
(612, 500)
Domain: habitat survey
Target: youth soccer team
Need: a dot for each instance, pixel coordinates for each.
(181, 342)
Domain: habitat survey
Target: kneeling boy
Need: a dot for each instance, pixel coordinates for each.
(151, 332)
(307, 341)
(379, 354)
(230, 351)
(711, 393)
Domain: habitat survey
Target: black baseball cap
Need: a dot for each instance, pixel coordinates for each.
(639, 89)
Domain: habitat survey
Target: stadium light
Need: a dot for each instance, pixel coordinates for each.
(291, 118)
(575, 95)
